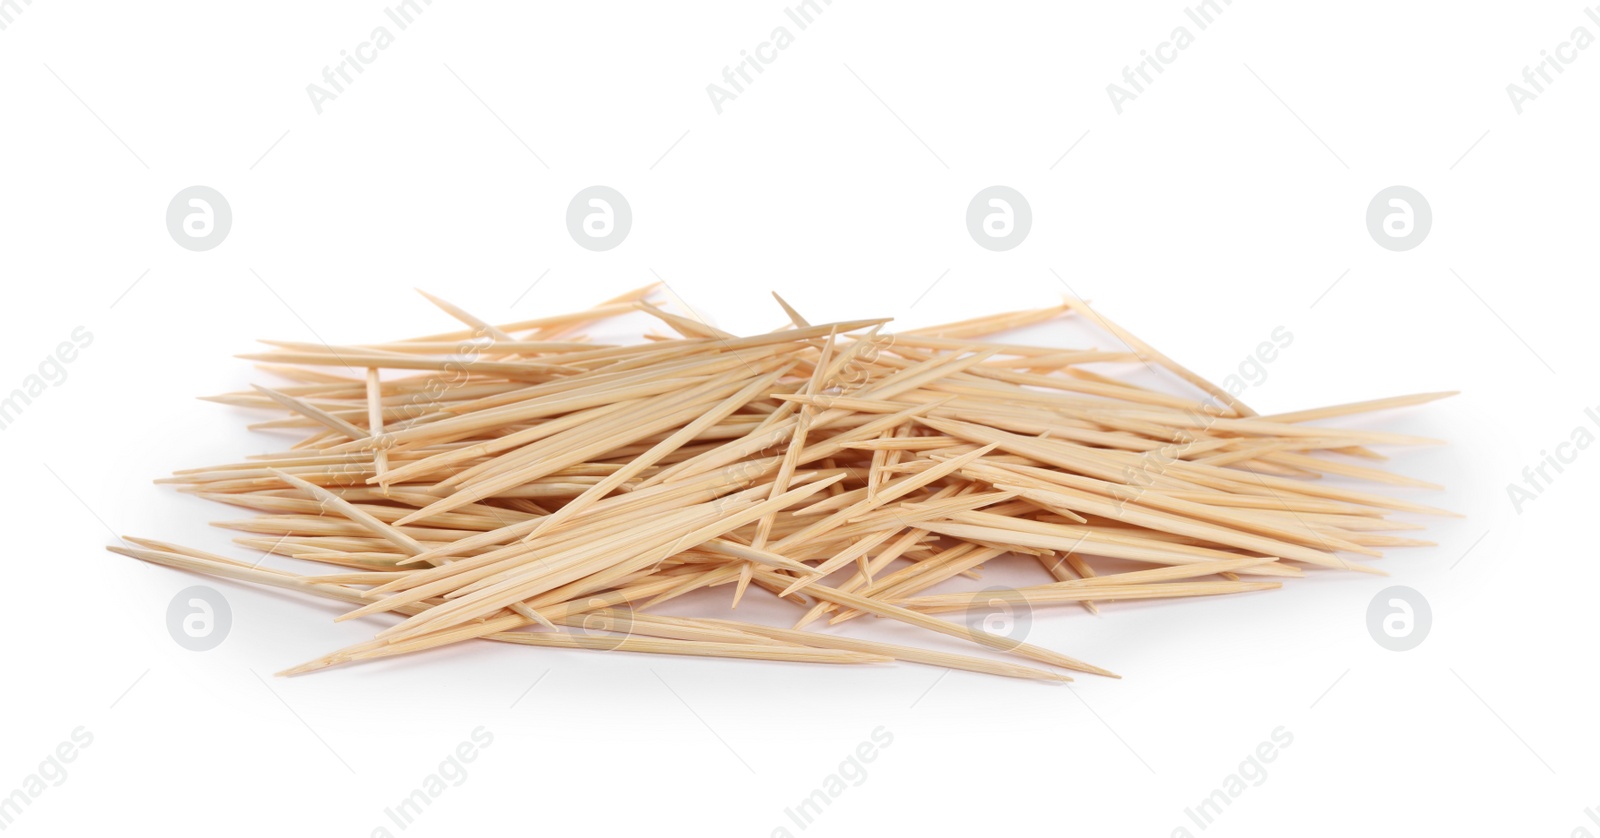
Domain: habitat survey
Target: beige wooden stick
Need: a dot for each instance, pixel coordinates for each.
(523, 483)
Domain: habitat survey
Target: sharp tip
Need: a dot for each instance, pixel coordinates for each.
(302, 669)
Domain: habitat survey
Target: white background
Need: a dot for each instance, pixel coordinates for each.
(1227, 200)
